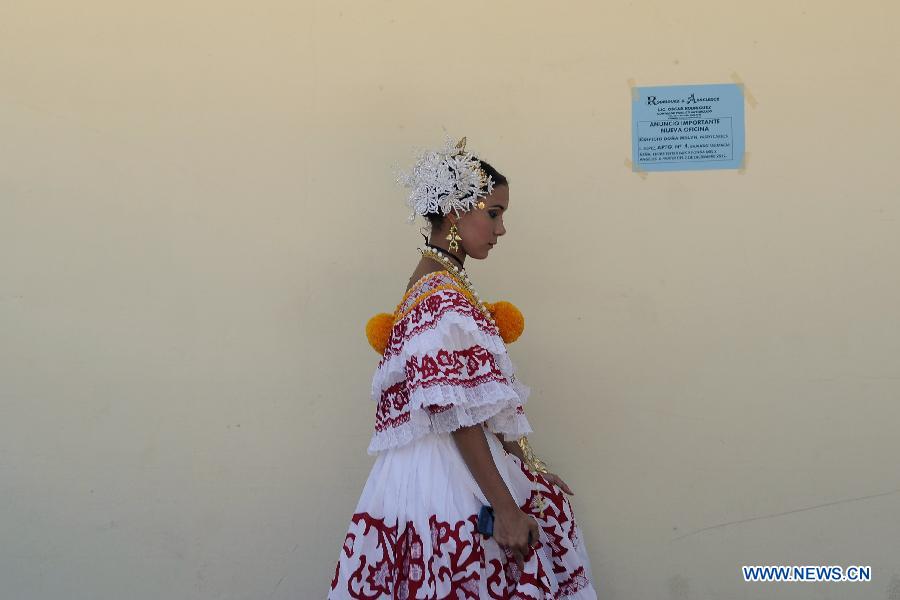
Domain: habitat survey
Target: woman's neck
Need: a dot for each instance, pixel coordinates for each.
(458, 257)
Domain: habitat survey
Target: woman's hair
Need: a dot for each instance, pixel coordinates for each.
(435, 219)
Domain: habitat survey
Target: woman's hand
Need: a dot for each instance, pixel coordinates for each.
(554, 478)
(517, 531)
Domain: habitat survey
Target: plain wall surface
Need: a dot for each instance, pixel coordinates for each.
(198, 214)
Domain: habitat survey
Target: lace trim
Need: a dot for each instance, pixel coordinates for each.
(496, 415)
(434, 309)
(431, 401)
(422, 286)
(445, 367)
(456, 332)
(415, 303)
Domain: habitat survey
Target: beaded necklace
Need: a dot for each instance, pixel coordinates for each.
(460, 276)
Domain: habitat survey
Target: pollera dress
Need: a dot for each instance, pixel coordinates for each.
(413, 534)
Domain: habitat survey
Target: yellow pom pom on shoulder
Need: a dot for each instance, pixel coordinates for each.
(509, 319)
(378, 331)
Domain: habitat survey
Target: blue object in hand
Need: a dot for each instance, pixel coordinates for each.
(486, 521)
(485, 524)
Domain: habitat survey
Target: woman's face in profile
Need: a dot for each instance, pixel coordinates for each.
(481, 228)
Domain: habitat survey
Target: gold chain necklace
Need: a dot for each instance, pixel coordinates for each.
(460, 276)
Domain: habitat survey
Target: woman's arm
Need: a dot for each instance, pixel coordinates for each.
(512, 447)
(476, 453)
(512, 527)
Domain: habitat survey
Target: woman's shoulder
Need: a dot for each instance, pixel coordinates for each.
(427, 285)
(436, 306)
(441, 274)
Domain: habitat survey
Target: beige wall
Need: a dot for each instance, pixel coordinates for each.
(199, 215)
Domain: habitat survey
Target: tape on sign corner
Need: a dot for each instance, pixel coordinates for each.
(635, 169)
(632, 85)
(743, 168)
(748, 95)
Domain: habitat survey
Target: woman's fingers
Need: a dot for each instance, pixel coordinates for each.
(534, 534)
(516, 533)
(562, 484)
(520, 558)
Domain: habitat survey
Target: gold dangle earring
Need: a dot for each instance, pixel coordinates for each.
(453, 237)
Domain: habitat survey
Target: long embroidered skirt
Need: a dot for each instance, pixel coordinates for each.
(413, 534)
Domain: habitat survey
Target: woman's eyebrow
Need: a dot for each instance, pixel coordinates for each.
(499, 206)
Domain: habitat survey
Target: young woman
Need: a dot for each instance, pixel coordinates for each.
(450, 427)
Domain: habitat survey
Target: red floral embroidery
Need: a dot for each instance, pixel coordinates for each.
(558, 522)
(576, 582)
(377, 563)
(412, 564)
(393, 407)
(506, 582)
(456, 562)
(467, 368)
(426, 314)
(446, 368)
(429, 365)
(378, 577)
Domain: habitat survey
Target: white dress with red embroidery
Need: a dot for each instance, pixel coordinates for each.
(413, 534)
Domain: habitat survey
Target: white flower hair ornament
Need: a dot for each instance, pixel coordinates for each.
(445, 180)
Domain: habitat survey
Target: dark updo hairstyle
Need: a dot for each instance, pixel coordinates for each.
(435, 219)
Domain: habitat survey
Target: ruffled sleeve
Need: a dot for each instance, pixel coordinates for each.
(445, 367)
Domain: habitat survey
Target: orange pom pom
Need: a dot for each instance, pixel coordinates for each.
(509, 320)
(378, 331)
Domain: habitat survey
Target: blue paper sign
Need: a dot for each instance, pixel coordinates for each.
(687, 127)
